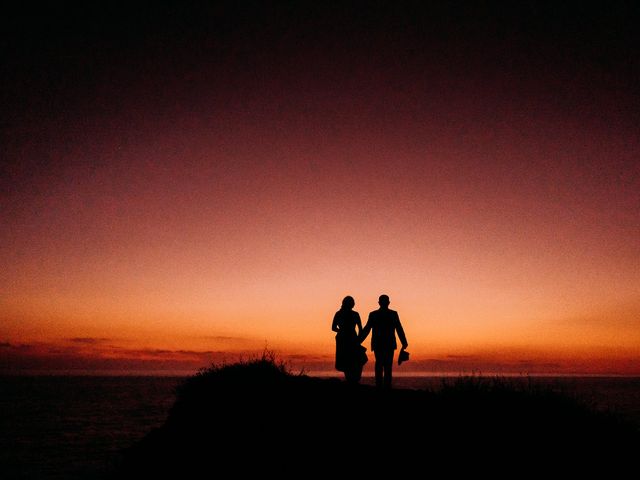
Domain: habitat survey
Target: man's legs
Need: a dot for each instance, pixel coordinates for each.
(388, 366)
(384, 362)
(378, 368)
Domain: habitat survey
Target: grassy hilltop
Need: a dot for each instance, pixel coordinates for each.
(255, 417)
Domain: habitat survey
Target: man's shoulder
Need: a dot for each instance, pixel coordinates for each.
(383, 313)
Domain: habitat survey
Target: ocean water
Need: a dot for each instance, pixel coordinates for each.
(74, 427)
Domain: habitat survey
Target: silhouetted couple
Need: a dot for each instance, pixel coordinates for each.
(384, 323)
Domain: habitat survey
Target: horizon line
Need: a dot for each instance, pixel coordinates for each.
(310, 373)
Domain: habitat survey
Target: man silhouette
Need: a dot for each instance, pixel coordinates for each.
(384, 323)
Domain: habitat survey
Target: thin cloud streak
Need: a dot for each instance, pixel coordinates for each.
(227, 339)
(88, 340)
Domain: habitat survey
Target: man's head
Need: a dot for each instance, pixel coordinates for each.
(383, 301)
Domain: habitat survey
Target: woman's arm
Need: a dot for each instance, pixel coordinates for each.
(334, 325)
(358, 323)
(365, 331)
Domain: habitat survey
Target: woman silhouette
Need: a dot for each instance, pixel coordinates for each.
(349, 353)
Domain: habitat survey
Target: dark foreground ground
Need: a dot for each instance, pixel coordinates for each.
(255, 418)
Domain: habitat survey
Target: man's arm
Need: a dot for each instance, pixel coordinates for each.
(400, 330)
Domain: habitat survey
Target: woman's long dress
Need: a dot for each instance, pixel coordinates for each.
(349, 352)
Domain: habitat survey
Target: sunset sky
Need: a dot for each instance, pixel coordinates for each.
(186, 186)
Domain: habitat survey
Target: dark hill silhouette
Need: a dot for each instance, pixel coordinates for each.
(255, 418)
